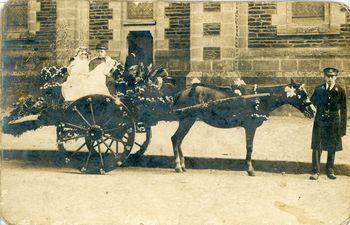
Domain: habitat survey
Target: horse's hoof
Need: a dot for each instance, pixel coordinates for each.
(102, 171)
(178, 170)
(251, 173)
(183, 169)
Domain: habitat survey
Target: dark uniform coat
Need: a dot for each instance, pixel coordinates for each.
(330, 121)
(131, 60)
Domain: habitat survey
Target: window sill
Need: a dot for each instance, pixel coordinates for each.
(140, 23)
(18, 35)
(307, 30)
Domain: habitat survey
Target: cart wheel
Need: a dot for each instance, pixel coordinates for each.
(99, 125)
(142, 140)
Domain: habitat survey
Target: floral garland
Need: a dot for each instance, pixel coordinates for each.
(53, 77)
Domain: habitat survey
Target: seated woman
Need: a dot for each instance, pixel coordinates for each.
(78, 71)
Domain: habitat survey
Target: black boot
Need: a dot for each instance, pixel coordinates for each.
(316, 156)
(330, 165)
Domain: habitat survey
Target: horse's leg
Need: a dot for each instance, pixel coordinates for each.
(184, 126)
(249, 135)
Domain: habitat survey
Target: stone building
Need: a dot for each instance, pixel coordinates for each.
(261, 42)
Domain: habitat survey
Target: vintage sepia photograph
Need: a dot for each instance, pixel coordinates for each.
(174, 112)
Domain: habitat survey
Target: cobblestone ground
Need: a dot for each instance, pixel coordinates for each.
(215, 190)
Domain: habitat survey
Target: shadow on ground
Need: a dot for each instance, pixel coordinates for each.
(44, 158)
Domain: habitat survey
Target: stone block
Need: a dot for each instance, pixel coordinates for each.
(346, 64)
(222, 65)
(266, 65)
(211, 53)
(211, 29)
(211, 6)
(244, 65)
(200, 66)
(308, 65)
(289, 65)
(227, 53)
(228, 6)
(162, 44)
(196, 54)
(337, 63)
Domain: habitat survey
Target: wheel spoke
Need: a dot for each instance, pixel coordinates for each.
(81, 116)
(76, 151)
(115, 139)
(88, 158)
(99, 142)
(108, 148)
(110, 144)
(92, 113)
(99, 153)
(113, 129)
(72, 138)
(109, 120)
(136, 143)
(75, 126)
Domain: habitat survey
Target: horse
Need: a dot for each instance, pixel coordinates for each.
(247, 113)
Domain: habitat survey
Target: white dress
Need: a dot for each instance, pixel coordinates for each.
(78, 71)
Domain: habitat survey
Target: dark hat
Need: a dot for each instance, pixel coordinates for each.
(101, 46)
(330, 71)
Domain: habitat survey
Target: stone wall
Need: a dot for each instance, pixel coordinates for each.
(100, 14)
(266, 18)
(176, 59)
(26, 49)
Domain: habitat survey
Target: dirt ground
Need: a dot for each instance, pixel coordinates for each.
(215, 190)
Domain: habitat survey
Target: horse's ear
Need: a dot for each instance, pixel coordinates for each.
(293, 83)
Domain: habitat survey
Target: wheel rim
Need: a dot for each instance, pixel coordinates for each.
(142, 140)
(100, 126)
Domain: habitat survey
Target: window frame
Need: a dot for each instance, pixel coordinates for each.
(13, 28)
(304, 26)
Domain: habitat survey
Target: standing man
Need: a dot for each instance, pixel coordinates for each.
(330, 122)
(131, 60)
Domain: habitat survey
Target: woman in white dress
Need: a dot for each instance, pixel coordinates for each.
(78, 71)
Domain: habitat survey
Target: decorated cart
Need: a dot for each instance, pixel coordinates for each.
(110, 128)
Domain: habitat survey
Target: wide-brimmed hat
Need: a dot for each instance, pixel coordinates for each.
(330, 71)
(101, 46)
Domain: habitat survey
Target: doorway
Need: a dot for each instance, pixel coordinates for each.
(141, 43)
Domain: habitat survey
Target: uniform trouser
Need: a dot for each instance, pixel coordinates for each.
(316, 157)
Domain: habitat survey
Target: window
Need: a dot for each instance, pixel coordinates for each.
(16, 16)
(309, 10)
(140, 10)
(305, 18)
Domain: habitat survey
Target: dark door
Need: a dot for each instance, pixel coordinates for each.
(141, 43)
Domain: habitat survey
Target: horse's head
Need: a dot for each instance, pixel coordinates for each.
(297, 96)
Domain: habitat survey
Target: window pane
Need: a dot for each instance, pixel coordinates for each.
(16, 15)
(308, 10)
(140, 10)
